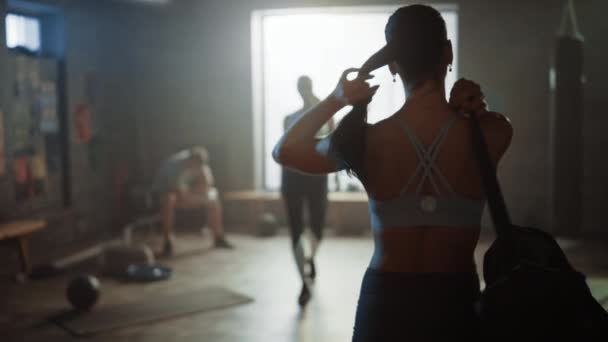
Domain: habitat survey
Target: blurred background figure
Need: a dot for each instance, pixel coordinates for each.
(185, 181)
(300, 190)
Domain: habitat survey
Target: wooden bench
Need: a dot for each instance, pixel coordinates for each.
(347, 211)
(16, 233)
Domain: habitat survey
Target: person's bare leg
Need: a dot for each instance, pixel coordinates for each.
(216, 220)
(168, 205)
(214, 214)
(209, 202)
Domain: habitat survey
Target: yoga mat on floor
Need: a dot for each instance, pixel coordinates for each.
(150, 309)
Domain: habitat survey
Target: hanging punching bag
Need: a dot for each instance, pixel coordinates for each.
(566, 128)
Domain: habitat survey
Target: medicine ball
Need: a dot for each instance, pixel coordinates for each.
(267, 225)
(83, 292)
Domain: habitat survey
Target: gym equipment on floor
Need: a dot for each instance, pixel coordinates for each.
(83, 292)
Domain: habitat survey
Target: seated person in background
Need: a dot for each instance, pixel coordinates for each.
(185, 181)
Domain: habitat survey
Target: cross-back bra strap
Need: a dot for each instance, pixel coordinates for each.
(432, 166)
(427, 158)
(422, 157)
(430, 156)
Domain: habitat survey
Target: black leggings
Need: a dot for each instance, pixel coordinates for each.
(417, 307)
(316, 201)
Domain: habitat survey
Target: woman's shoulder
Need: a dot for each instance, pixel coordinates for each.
(380, 127)
(377, 132)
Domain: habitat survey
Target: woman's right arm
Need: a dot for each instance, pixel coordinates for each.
(299, 148)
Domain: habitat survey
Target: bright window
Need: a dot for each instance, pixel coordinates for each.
(22, 31)
(319, 43)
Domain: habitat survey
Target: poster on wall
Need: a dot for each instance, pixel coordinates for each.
(49, 121)
(20, 76)
(33, 74)
(2, 147)
(21, 125)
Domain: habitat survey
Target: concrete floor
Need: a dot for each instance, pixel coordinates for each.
(260, 268)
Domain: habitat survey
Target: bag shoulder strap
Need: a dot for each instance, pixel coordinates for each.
(495, 199)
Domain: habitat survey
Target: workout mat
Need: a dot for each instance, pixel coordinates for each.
(151, 309)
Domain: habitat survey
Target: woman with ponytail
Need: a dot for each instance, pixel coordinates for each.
(418, 169)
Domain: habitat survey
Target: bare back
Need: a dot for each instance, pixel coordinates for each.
(392, 160)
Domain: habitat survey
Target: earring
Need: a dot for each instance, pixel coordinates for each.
(450, 67)
(394, 79)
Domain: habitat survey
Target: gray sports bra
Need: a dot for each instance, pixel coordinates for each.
(415, 209)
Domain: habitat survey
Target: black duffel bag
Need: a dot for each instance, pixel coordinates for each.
(532, 291)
